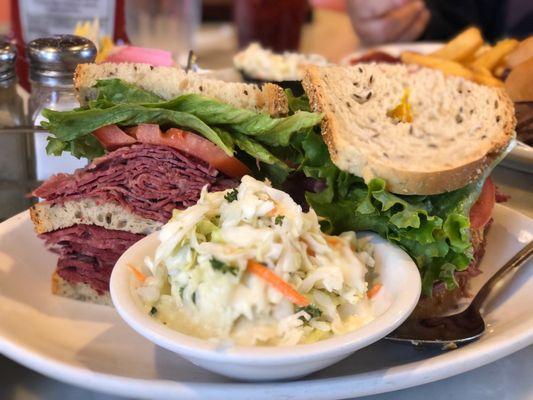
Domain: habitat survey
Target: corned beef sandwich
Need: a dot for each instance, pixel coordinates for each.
(91, 217)
(424, 144)
(154, 146)
(403, 151)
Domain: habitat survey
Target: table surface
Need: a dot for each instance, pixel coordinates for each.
(508, 378)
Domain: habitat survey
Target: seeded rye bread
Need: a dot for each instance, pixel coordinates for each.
(169, 82)
(458, 126)
(48, 217)
(78, 291)
(109, 215)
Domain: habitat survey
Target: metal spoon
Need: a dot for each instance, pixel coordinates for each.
(458, 329)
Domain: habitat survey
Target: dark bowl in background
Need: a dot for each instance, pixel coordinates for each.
(295, 86)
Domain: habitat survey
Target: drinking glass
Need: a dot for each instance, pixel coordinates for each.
(275, 24)
(164, 24)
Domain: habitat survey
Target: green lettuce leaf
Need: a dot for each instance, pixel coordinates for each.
(434, 230)
(123, 104)
(300, 103)
(71, 125)
(269, 130)
(257, 151)
(117, 91)
(269, 166)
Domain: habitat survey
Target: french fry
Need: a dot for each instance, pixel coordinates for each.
(484, 77)
(448, 67)
(473, 57)
(499, 71)
(462, 46)
(468, 57)
(492, 57)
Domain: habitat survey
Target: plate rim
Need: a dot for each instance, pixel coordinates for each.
(472, 356)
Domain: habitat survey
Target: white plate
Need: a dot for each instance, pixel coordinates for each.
(520, 158)
(401, 286)
(90, 346)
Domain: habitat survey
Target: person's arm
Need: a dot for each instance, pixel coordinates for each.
(388, 20)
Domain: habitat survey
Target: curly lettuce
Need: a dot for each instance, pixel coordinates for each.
(434, 230)
(232, 129)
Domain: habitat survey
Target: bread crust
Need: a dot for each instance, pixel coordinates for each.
(169, 82)
(79, 291)
(276, 100)
(403, 181)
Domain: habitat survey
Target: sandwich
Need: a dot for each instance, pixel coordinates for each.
(411, 151)
(153, 146)
(401, 150)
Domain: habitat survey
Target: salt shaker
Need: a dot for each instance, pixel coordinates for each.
(11, 104)
(15, 176)
(52, 64)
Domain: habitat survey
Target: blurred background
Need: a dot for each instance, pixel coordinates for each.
(175, 24)
(36, 69)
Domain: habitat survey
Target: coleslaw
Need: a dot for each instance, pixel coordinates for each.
(261, 63)
(249, 266)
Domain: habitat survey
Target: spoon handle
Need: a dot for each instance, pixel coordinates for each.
(520, 258)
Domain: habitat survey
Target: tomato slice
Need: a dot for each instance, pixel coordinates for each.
(112, 137)
(150, 133)
(193, 145)
(481, 211)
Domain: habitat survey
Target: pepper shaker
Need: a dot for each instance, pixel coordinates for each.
(15, 177)
(53, 61)
(11, 104)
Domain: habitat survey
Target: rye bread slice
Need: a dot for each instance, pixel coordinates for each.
(169, 82)
(49, 217)
(458, 128)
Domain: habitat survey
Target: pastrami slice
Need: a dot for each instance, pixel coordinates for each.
(88, 253)
(148, 180)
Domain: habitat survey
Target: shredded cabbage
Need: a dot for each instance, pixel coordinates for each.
(202, 280)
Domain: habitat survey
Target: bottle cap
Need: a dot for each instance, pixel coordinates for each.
(8, 56)
(54, 59)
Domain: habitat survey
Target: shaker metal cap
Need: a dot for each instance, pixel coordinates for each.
(8, 56)
(54, 59)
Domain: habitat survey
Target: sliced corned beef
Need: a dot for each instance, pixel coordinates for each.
(87, 253)
(149, 180)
